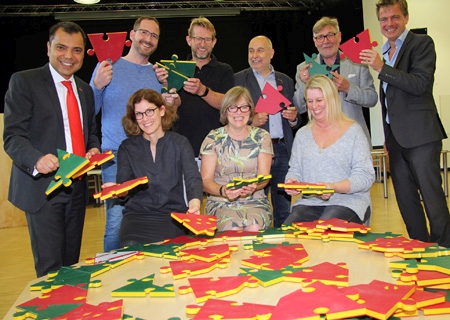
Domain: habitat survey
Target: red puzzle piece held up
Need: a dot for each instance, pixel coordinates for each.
(198, 224)
(353, 46)
(94, 161)
(271, 100)
(111, 48)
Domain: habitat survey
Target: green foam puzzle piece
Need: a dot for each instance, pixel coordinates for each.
(142, 287)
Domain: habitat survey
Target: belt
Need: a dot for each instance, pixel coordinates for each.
(277, 140)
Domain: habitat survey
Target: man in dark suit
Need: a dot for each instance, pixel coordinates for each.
(412, 127)
(36, 125)
(280, 125)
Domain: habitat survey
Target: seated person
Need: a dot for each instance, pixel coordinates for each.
(167, 159)
(237, 150)
(331, 150)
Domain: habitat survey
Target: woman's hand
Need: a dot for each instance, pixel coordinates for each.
(292, 192)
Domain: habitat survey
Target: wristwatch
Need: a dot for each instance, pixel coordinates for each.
(205, 93)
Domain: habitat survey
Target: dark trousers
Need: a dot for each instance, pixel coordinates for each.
(56, 229)
(281, 202)
(418, 169)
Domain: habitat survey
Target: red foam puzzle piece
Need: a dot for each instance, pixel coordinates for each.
(95, 161)
(119, 188)
(224, 309)
(111, 48)
(352, 47)
(271, 100)
(198, 224)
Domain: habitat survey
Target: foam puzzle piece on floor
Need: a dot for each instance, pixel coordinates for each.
(182, 269)
(422, 278)
(352, 47)
(178, 71)
(198, 224)
(52, 304)
(69, 164)
(115, 258)
(65, 276)
(371, 236)
(336, 224)
(306, 188)
(206, 288)
(271, 101)
(441, 264)
(119, 188)
(266, 278)
(317, 300)
(234, 235)
(433, 251)
(188, 241)
(95, 161)
(143, 287)
(104, 310)
(225, 309)
(317, 68)
(440, 308)
(326, 272)
(110, 48)
(208, 253)
(395, 245)
(238, 183)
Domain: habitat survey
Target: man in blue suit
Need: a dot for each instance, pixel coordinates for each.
(412, 128)
(36, 125)
(280, 125)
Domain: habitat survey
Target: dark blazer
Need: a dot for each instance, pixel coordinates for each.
(413, 116)
(247, 79)
(34, 127)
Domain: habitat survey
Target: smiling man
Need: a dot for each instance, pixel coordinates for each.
(113, 84)
(353, 81)
(279, 125)
(202, 95)
(412, 128)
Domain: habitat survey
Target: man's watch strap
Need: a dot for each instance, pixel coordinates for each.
(205, 93)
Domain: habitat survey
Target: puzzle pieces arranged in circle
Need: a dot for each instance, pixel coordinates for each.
(317, 68)
(271, 100)
(143, 287)
(119, 188)
(395, 245)
(352, 47)
(110, 48)
(241, 182)
(198, 224)
(205, 288)
(326, 272)
(95, 161)
(69, 164)
(179, 71)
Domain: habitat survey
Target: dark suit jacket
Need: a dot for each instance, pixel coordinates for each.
(413, 116)
(247, 79)
(34, 127)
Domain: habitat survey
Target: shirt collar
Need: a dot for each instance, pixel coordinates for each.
(57, 77)
(398, 43)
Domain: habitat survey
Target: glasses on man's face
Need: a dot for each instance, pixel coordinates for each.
(234, 109)
(140, 115)
(199, 40)
(147, 33)
(321, 38)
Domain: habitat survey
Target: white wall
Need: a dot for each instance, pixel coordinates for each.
(430, 14)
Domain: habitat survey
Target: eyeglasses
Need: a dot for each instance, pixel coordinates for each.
(234, 109)
(321, 38)
(140, 115)
(199, 40)
(147, 33)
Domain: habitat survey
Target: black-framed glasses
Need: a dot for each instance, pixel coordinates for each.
(149, 112)
(199, 40)
(321, 38)
(234, 109)
(147, 33)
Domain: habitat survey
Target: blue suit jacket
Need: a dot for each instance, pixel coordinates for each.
(34, 127)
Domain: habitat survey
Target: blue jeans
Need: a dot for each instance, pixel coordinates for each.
(281, 201)
(113, 208)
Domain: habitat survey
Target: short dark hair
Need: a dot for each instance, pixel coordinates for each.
(386, 3)
(68, 27)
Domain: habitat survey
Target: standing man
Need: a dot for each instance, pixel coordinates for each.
(353, 81)
(202, 95)
(280, 125)
(38, 121)
(412, 128)
(113, 84)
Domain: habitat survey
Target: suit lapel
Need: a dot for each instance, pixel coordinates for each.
(405, 45)
(53, 95)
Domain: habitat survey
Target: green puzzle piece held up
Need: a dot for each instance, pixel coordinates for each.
(179, 72)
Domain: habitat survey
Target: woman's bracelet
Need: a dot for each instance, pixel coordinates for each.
(220, 191)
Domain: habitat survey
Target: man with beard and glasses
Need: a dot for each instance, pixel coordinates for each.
(113, 84)
(202, 95)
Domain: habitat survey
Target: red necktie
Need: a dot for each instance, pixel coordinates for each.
(76, 130)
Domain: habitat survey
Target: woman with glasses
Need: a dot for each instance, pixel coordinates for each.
(167, 159)
(237, 150)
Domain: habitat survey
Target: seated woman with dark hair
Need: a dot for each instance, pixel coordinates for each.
(167, 159)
